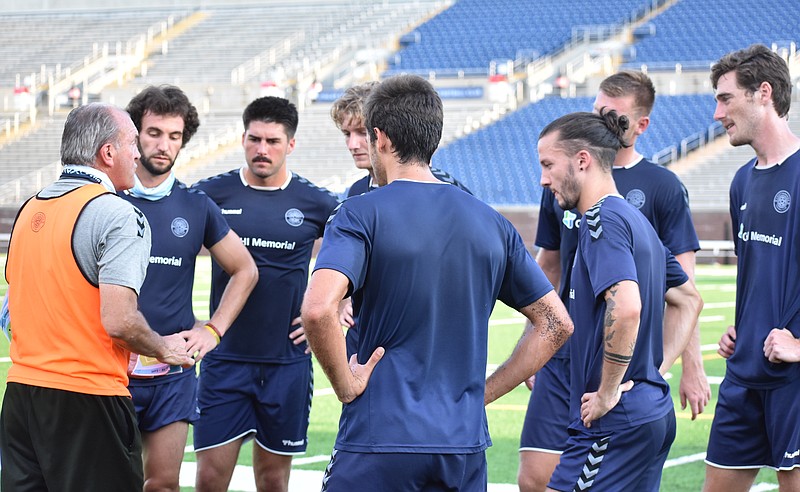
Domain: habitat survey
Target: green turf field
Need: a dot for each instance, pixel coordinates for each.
(684, 469)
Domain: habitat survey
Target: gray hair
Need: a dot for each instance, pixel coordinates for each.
(86, 130)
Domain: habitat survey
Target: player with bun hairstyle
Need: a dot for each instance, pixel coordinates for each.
(621, 414)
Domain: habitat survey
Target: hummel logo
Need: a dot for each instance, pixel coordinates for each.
(744, 206)
(592, 465)
(592, 219)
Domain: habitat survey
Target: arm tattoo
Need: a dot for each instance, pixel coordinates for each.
(618, 359)
(551, 328)
(611, 303)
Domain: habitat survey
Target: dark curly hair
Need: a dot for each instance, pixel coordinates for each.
(754, 65)
(165, 100)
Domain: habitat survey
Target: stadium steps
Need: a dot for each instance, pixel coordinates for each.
(708, 172)
(175, 31)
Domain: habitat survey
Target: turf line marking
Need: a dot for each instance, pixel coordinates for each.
(684, 460)
(322, 458)
(763, 487)
(719, 305)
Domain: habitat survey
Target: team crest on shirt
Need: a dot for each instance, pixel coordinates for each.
(294, 217)
(636, 198)
(782, 201)
(179, 226)
(37, 222)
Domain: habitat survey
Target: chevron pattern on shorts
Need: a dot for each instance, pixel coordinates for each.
(592, 465)
(327, 474)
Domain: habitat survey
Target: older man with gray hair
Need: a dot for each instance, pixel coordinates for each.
(77, 258)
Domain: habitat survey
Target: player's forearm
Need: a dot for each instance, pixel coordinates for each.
(327, 342)
(518, 367)
(681, 329)
(125, 324)
(234, 297)
(550, 262)
(549, 328)
(621, 329)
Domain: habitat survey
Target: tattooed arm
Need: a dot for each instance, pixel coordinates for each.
(621, 327)
(549, 328)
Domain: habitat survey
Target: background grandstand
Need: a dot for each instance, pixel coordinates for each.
(504, 69)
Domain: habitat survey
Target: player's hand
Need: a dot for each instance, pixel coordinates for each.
(594, 405)
(727, 343)
(782, 346)
(694, 390)
(176, 352)
(199, 340)
(346, 313)
(530, 382)
(132, 358)
(298, 336)
(361, 374)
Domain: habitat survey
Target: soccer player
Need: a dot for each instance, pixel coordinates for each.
(183, 220)
(425, 262)
(662, 198)
(757, 419)
(76, 260)
(622, 423)
(258, 382)
(348, 114)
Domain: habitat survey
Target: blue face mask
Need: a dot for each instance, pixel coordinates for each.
(152, 194)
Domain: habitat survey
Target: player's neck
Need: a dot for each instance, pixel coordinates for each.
(775, 143)
(410, 171)
(627, 156)
(594, 189)
(149, 180)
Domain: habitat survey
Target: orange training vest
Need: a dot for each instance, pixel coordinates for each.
(57, 337)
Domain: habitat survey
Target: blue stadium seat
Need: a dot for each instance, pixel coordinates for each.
(696, 33)
(500, 163)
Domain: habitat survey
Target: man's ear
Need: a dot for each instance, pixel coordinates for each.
(106, 154)
(584, 159)
(382, 141)
(765, 91)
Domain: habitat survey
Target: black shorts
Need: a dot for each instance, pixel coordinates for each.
(55, 439)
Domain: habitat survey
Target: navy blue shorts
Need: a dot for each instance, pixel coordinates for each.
(624, 460)
(160, 404)
(405, 472)
(244, 399)
(756, 428)
(547, 418)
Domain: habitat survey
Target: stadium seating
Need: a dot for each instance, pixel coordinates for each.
(313, 30)
(63, 38)
(466, 37)
(696, 33)
(499, 163)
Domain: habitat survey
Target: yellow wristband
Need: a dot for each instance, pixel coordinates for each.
(213, 332)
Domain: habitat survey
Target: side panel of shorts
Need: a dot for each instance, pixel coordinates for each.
(547, 418)
(158, 405)
(756, 428)
(625, 460)
(68, 441)
(405, 472)
(237, 399)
